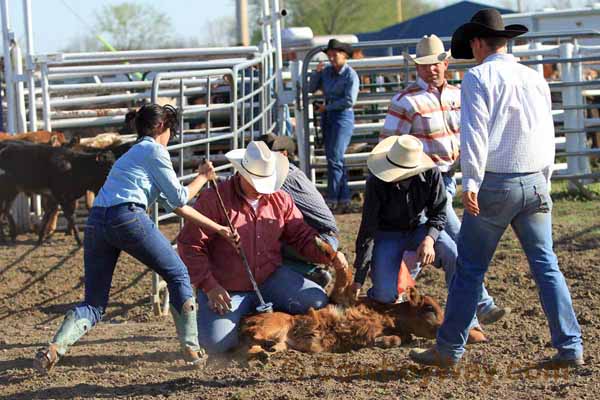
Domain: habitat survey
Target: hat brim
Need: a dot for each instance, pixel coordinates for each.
(345, 49)
(386, 171)
(461, 47)
(427, 60)
(263, 185)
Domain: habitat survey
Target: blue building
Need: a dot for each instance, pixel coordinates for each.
(442, 22)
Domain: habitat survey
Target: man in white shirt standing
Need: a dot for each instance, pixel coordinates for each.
(429, 110)
(507, 151)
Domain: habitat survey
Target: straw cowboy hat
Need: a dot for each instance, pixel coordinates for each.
(398, 157)
(485, 23)
(264, 169)
(430, 50)
(335, 44)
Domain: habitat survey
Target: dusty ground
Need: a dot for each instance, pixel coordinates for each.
(134, 355)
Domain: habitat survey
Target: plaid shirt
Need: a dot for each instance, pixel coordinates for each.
(433, 117)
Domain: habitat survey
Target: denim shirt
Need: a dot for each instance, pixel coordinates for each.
(143, 175)
(340, 89)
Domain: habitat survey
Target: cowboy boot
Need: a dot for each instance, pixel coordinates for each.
(187, 331)
(70, 331)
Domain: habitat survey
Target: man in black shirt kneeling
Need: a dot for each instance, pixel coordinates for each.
(404, 210)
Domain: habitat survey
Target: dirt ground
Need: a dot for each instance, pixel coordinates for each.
(132, 354)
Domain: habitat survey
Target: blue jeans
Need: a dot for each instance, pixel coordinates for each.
(126, 227)
(387, 255)
(486, 303)
(337, 131)
(523, 201)
(452, 223)
(287, 290)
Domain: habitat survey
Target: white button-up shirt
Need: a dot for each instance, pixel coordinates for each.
(506, 121)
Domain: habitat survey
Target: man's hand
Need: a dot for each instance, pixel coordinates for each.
(320, 66)
(355, 289)
(219, 300)
(425, 252)
(470, 202)
(339, 262)
(207, 170)
(321, 108)
(232, 237)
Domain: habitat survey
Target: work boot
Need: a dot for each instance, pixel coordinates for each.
(476, 335)
(431, 357)
(187, 331)
(320, 276)
(70, 331)
(557, 362)
(494, 315)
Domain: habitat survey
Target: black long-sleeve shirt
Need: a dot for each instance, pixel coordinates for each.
(398, 206)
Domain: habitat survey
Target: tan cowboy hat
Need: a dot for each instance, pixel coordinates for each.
(264, 169)
(430, 50)
(398, 157)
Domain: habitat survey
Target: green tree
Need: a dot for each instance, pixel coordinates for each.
(340, 16)
(131, 26)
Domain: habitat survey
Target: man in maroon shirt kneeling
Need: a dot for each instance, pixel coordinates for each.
(264, 217)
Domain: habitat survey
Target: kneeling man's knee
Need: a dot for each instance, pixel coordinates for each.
(313, 298)
(214, 345)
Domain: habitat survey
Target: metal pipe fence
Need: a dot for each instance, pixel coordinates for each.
(563, 50)
(81, 90)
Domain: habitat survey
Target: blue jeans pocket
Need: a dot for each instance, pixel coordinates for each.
(543, 199)
(492, 201)
(128, 230)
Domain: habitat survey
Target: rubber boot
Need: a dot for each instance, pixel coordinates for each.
(69, 332)
(187, 331)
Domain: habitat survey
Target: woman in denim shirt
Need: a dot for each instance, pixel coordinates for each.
(119, 222)
(339, 83)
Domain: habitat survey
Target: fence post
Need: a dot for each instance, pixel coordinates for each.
(30, 65)
(17, 61)
(276, 21)
(583, 162)
(570, 116)
(296, 70)
(8, 37)
(538, 67)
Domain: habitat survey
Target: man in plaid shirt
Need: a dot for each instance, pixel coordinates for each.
(429, 109)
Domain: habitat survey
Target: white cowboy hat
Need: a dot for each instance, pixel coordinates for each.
(398, 157)
(430, 50)
(263, 169)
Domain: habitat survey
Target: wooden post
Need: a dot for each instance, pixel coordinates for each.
(242, 23)
(399, 10)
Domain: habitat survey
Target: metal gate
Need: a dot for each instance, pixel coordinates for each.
(68, 91)
(535, 49)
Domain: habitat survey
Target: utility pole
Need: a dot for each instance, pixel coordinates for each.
(520, 6)
(399, 10)
(243, 35)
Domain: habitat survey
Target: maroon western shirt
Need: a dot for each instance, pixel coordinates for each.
(211, 260)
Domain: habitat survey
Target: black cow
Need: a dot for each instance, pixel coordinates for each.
(60, 173)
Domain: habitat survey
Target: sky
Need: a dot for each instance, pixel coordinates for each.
(55, 26)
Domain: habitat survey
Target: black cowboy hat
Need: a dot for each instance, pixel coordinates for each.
(335, 44)
(279, 143)
(485, 23)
